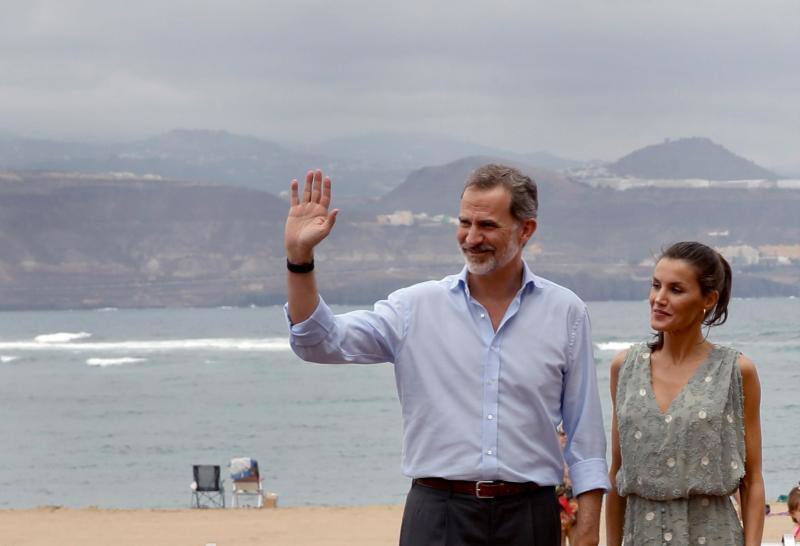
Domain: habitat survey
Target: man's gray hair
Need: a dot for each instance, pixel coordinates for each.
(524, 194)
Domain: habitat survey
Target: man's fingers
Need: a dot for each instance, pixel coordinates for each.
(307, 187)
(316, 188)
(295, 200)
(325, 200)
(332, 218)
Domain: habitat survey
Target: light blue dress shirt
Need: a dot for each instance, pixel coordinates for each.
(479, 404)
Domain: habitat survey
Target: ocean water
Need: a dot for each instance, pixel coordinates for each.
(110, 408)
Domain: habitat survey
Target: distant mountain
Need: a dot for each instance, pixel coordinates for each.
(689, 158)
(29, 153)
(546, 160)
(198, 155)
(362, 167)
(414, 150)
(194, 143)
(399, 150)
(436, 189)
(218, 157)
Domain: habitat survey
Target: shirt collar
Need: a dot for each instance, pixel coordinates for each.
(459, 281)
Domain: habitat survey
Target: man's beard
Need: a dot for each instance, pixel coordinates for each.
(491, 261)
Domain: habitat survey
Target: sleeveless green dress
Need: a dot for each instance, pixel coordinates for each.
(680, 466)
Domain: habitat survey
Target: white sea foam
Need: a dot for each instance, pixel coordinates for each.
(61, 337)
(137, 346)
(114, 361)
(613, 346)
(5, 358)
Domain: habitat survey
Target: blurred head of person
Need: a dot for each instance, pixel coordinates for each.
(794, 504)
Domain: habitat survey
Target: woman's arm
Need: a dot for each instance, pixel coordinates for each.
(752, 486)
(615, 505)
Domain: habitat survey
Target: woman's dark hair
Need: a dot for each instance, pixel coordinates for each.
(713, 274)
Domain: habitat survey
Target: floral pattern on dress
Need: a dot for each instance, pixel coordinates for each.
(679, 466)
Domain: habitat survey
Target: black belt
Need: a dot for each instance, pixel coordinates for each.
(479, 489)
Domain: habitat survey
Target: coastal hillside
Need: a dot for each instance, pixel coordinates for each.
(88, 240)
(620, 224)
(435, 189)
(689, 158)
(73, 241)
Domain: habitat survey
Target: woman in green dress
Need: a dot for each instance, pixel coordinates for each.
(686, 430)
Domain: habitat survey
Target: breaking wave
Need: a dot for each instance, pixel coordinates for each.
(114, 361)
(613, 345)
(61, 337)
(212, 344)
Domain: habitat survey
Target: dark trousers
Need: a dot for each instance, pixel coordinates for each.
(433, 517)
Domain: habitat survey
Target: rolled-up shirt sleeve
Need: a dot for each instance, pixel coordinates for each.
(362, 336)
(585, 452)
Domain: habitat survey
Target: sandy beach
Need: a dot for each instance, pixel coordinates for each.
(306, 526)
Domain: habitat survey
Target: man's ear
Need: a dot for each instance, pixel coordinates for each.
(528, 228)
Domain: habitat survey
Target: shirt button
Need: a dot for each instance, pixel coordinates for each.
(668, 536)
(642, 392)
(483, 315)
(730, 418)
(489, 452)
(708, 379)
(668, 419)
(702, 414)
(645, 356)
(705, 502)
(734, 465)
(704, 461)
(490, 417)
(670, 462)
(649, 516)
(701, 540)
(638, 434)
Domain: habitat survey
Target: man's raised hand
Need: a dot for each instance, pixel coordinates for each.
(309, 220)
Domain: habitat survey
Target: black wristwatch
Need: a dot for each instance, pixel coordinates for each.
(307, 267)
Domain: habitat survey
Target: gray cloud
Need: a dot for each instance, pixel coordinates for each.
(581, 78)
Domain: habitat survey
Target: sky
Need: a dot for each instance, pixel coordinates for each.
(590, 79)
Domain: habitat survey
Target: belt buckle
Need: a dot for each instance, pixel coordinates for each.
(478, 489)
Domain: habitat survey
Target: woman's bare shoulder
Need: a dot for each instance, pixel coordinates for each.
(619, 360)
(748, 368)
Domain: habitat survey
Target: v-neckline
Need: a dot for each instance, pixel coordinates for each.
(649, 377)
